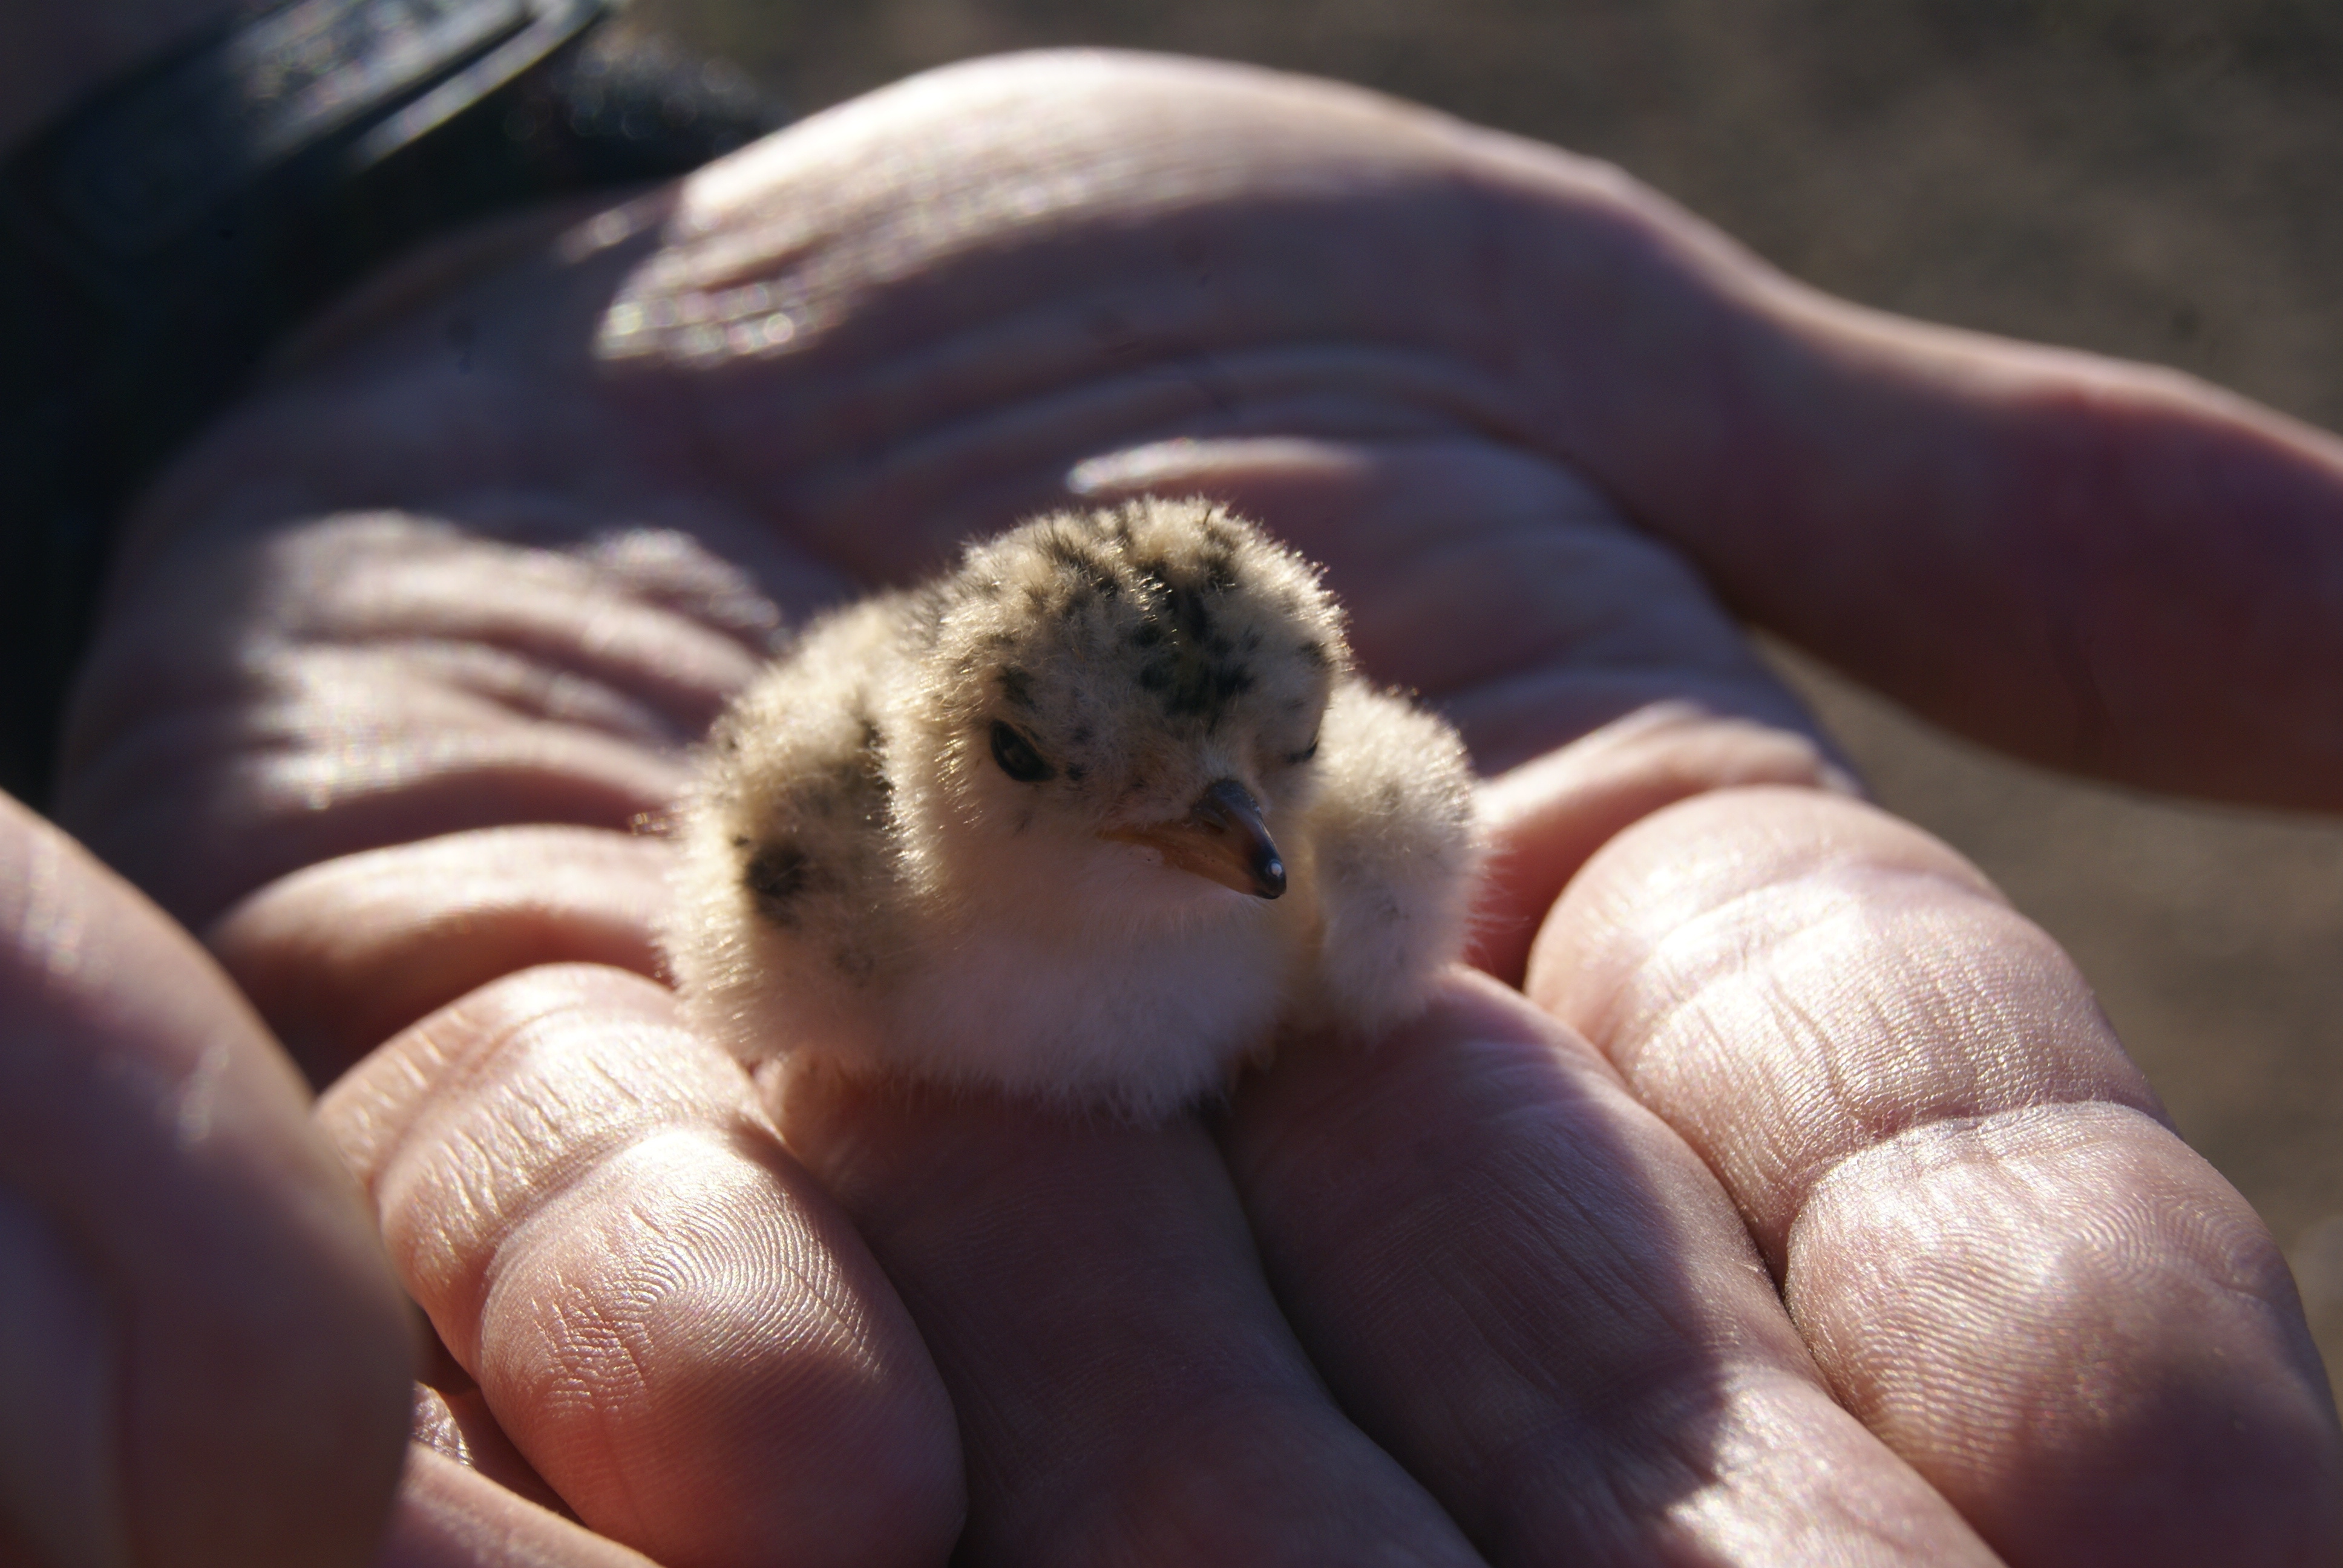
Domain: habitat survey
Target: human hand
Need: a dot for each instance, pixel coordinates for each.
(205, 1359)
(1804, 1207)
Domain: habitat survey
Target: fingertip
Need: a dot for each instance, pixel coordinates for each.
(1547, 818)
(1702, 851)
(672, 1321)
(2070, 1324)
(449, 1516)
(341, 955)
(1126, 1387)
(700, 1357)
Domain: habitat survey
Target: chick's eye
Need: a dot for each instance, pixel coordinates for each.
(1017, 757)
(1295, 758)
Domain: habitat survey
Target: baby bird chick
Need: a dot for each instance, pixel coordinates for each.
(1085, 821)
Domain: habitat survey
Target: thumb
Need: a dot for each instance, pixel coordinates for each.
(203, 1356)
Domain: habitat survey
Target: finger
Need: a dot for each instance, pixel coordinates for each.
(460, 1426)
(1545, 819)
(449, 1516)
(341, 956)
(375, 679)
(1128, 1391)
(2156, 559)
(2003, 1260)
(1141, 249)
(1532, 1291)
(1504, 588)
(203, 1357)
(1145, 248)
(1495, 583)
(670, 1322)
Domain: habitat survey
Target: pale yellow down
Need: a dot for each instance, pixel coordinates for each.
(861, 877)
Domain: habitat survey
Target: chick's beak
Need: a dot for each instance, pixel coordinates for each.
(1222, 838)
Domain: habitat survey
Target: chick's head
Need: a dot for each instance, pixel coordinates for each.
(1129, 696)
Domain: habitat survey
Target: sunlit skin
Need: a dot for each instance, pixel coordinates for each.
(1777, 1194)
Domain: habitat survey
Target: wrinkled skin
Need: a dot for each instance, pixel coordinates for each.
(1783, 1197)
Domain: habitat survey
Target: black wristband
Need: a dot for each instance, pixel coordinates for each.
(156, 241)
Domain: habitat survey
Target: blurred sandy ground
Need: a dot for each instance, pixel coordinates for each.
(2148, 178)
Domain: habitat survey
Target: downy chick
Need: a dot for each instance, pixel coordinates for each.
(1084, 820)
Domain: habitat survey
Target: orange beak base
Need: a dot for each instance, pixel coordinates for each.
(1223, 839)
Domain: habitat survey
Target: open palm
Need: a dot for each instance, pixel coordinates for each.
(1782, 1197)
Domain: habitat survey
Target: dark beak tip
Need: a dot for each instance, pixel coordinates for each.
(1228, 811)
